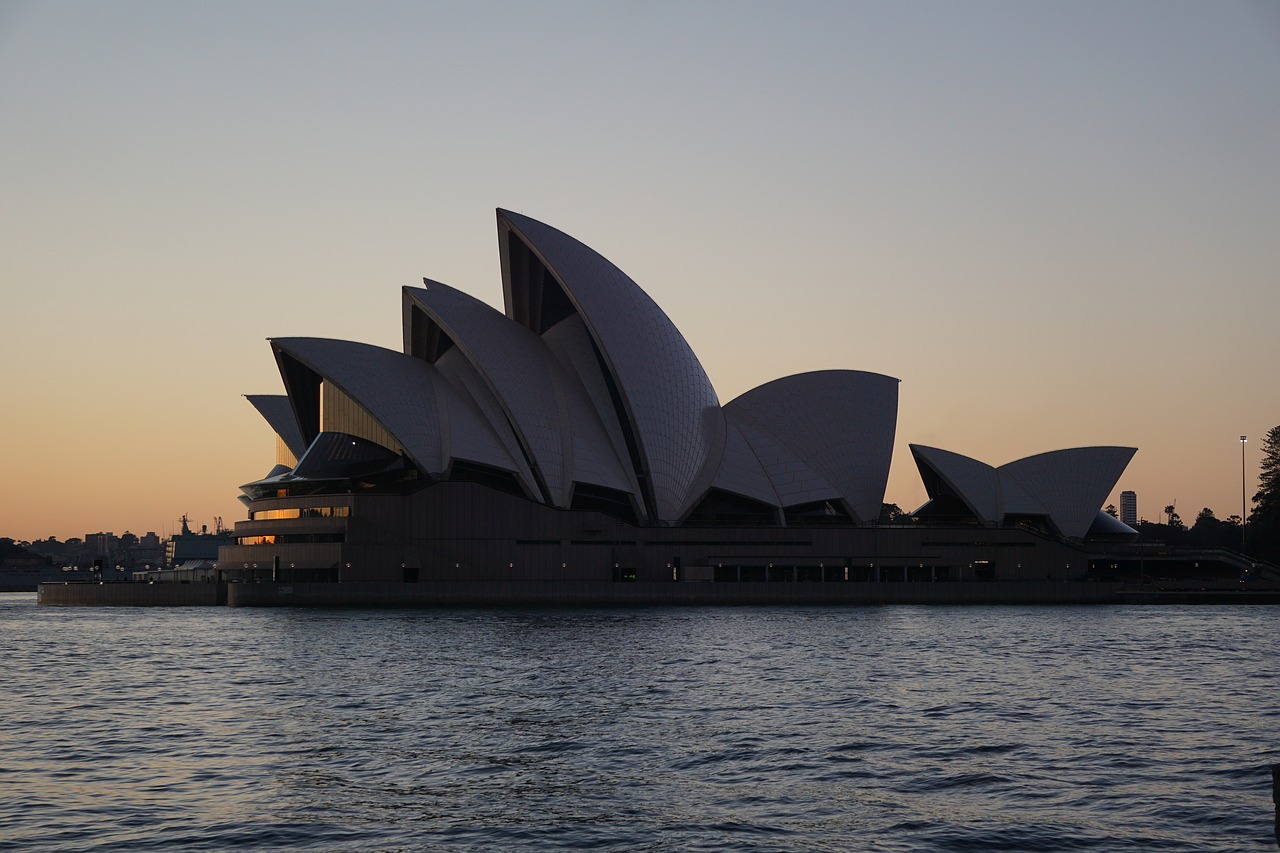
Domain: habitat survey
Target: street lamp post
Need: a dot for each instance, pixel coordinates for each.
(1243, 440)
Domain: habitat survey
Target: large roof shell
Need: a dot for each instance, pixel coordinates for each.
(278, 412)
(547, 409)
(743, 473)
(839, 423)
(792, 480)
(662, 393)
(1067, 486)
(1071, 484)
(599, 454)
(409, 398)
(973, 482)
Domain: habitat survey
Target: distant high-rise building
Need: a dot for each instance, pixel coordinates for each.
(1129, 507)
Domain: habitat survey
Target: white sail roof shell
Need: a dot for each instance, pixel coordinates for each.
(743, 472)
(1071, 484)
(599, 448)
(670, 405)
(974, 482)
(278, 412)
(790, 478)
(547, 408)
(839, 423)
(410, 399)
(1068, 486)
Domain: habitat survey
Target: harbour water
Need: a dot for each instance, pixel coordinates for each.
(849, 728)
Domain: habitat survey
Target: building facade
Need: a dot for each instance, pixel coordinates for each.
(1129, 507)
(576, 437)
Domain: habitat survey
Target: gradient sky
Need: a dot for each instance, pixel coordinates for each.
(1057, 223)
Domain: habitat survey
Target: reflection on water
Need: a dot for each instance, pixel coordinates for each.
(887, 728)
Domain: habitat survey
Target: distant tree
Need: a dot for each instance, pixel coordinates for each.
(11, 549)
(1204, 531)
(1174, 522)
(1151, 531)
(1164, 534)
(893, 514)
(1209, 531)
(1111, 511)
(1263, 529)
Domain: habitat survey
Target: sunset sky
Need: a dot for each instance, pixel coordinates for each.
(1058, 224)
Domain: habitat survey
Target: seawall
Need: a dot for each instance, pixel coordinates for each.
(132, 594)
(632, 594)
(640, 594)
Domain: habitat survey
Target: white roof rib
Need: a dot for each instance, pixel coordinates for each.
(408, 397)
(972, 481)
(840, 423)
(665, 395)
(1071, 484)
(278, 412)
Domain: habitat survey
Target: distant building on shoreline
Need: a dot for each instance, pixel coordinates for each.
(1129, 507)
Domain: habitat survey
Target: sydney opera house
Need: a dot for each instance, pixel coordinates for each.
(575, 441)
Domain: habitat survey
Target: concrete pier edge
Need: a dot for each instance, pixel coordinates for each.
(627, 594)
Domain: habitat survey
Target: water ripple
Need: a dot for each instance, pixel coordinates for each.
(880, 728)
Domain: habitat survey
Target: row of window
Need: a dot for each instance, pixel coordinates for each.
(292, 539)
(303, 512)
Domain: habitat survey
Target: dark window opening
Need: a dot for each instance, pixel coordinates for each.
(427, 340)
(632, 441)
(547, 302)
(725, 574)
(462, 471)
(303, 386)
(781, 574)
(1034, 523)
(817, 512)
(946, 510)
(610, 502)
(723, 508)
